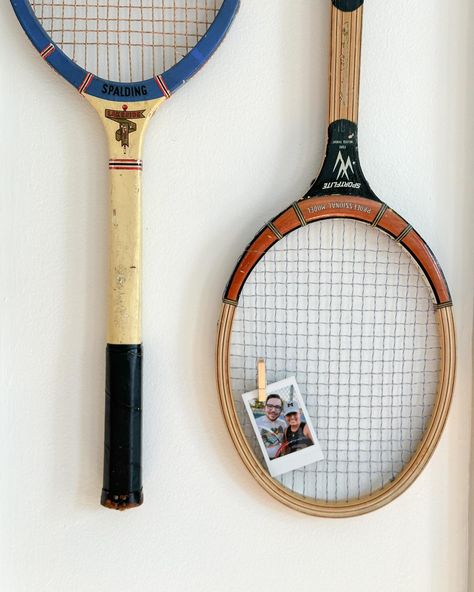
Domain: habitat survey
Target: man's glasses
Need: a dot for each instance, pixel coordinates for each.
(273, 407)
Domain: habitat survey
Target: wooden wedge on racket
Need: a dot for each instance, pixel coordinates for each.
(126, 59)
(341, 292)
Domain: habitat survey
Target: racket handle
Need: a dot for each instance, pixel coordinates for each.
(125, 127)
(344, 77)
(123, 428)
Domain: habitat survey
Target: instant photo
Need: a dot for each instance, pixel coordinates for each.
(283, 427)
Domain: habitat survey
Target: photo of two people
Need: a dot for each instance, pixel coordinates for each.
(283, 428)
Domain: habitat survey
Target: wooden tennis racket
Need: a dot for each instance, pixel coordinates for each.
(126, 57)
(341, 292)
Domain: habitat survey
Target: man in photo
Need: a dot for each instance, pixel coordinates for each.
(271, 426)
(297, 434)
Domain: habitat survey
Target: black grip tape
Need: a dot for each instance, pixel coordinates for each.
(348, 5)
(123, 428)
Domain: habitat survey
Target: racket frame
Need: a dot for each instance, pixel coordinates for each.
(356, 201)
(374, 213)
(125, 110)
(161, 85)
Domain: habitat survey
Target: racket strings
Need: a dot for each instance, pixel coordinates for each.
(345, 309)
(126, 40)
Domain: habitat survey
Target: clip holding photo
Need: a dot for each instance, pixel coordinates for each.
(261, 380)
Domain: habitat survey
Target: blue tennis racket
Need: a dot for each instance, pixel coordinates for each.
(126, 57)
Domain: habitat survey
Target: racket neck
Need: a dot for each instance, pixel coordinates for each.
(346, 38)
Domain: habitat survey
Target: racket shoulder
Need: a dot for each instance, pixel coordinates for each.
(355, 207)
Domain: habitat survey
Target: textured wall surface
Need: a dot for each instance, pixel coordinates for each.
(241, 141)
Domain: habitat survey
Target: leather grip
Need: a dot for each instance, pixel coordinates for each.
(123, 428)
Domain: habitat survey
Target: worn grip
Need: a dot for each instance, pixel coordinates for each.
(123, 428)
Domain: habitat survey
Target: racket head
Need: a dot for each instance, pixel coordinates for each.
(201, 41)
(291, 300)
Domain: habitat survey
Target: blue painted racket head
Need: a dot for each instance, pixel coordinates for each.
(126, 49)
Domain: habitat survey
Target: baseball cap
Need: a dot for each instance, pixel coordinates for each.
(291, 407)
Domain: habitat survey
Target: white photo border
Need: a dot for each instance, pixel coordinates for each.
(299, 458)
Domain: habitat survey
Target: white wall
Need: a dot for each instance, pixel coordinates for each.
(234, 147)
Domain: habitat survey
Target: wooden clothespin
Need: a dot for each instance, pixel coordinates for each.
(261, 381)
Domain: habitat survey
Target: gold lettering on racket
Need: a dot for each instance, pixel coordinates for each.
(344, 63)
(338, 205)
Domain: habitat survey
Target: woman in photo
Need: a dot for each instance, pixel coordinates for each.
(297, 434)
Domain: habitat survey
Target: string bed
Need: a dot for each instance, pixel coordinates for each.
(126, 40)
(346, 310)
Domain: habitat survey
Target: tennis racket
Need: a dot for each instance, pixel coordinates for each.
(126, 57)
(341, 292)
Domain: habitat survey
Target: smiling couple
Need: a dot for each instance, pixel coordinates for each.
(282, 429)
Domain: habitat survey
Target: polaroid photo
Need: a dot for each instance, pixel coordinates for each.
(283, 427)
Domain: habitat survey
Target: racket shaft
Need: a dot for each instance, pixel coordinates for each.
(124, 290)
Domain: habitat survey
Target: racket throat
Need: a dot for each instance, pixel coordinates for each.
(341, 173)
